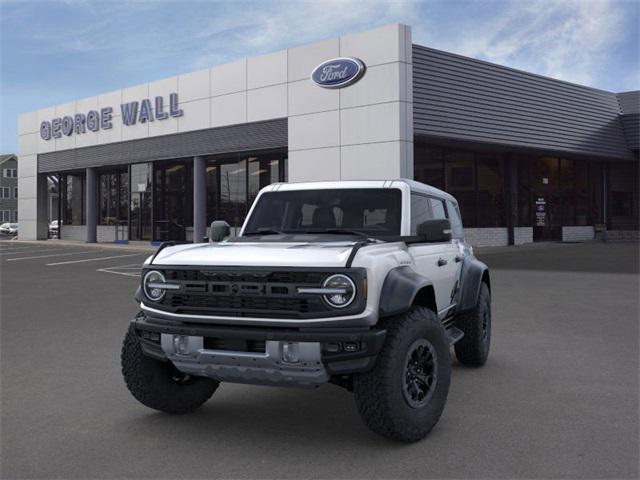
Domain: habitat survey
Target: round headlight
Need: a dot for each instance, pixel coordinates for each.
(344, 290)
(154, 294)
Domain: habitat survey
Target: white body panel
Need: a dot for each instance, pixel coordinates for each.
(257, 254)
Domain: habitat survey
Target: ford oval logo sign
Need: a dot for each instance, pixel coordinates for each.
(338, 73)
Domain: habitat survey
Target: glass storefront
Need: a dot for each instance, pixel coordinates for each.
(113, 197)
(475, 179)
(172, 200)
(140, 218)
(233, 181)
(73, 199)
(545, 192)
(154, 201)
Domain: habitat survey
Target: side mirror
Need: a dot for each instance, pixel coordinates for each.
(219, 231)
(437, 230)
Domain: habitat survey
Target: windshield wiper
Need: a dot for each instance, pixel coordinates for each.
(343, 231)
(263, 231)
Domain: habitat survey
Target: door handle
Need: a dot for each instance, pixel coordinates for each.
(442, 262)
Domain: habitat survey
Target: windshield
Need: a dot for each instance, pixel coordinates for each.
(370, 211)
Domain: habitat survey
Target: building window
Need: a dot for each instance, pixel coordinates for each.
(477, 180)
(15, 215)
(573, 192)
(623, 211)
(430, 165)
(15, 192)
(113, 195)
(173, 200)
(233, 182)
(622, 204)
(460, 181)
(5, 192)
(140, 211)
(491, 207)
(6, 215)
(10, 173)
(523, 189)
(73, 191)
(596, 193)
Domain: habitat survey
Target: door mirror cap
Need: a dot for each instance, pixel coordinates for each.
(219, 231)
(436, 230)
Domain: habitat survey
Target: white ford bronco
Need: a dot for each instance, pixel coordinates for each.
(363, 284)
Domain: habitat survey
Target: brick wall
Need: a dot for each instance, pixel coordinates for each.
(487, 237)
(107, 233)
(614, 236)
(522, 235)
(577, 234)
(74, 232)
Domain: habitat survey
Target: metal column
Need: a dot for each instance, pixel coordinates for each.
(91, 199)
(199, 199)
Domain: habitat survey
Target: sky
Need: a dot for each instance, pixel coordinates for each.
(55, 51)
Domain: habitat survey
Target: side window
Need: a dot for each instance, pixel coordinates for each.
(437, 206)
(454, 218)
(420, 211)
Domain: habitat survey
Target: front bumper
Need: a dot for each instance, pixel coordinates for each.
(188, 347)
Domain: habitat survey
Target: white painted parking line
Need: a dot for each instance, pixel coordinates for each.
(93, 259)
(131, 270)
(20, 249)
(52, 255)
(35, 250)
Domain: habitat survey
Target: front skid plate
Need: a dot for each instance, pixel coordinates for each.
(266, 368)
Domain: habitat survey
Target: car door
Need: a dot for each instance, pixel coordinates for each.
(434, 260)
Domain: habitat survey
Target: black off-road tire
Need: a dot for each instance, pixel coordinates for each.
(473, 349)
(379, 394)
(158, 384)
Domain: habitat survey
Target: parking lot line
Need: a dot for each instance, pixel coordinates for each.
(93, 259)
(20, 249)
(38, 250)
(52, 255)
(115, 270)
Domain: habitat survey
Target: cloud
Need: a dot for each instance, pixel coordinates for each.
(268, 26)
(569, 40)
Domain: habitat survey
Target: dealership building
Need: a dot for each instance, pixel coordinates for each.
(529, 158)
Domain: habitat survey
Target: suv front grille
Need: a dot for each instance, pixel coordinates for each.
(244, 305)
(242, 292)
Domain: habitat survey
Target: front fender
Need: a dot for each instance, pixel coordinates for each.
(474, 272)
(399, 290)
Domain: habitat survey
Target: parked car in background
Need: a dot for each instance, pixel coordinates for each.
(9, 229)
(54, 229)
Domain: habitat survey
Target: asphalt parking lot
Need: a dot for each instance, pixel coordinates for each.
(558, 397)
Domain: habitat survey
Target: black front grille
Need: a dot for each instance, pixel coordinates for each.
(244, 306)
(241, 292)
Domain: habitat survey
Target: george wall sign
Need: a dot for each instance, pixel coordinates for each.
(339, 72)
(94, 120)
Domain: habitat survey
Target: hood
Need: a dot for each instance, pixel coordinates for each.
(267, 254)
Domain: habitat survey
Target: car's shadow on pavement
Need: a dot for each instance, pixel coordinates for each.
(241, 416)
(259, 415)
